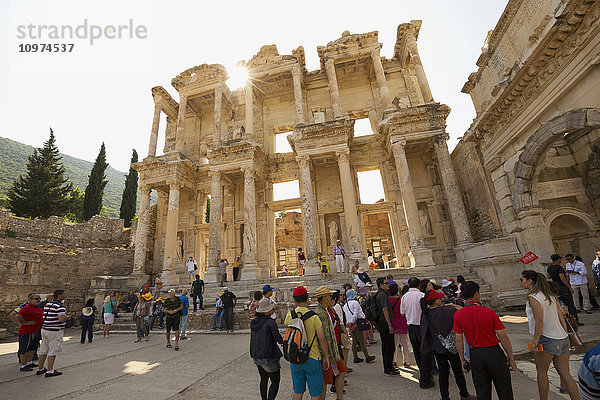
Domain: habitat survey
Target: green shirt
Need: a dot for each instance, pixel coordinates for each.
(311, 325)
(172, 305)
(227, 299)
(197, 286)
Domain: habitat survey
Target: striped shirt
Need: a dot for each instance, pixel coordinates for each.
(51, 312)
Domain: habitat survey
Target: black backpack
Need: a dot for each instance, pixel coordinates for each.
(371, 309)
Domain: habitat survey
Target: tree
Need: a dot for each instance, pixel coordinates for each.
(44, 190)
(75, 213)
(129, 201)
(92, 202)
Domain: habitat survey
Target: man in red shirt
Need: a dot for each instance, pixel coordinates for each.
(30, 317)
(483, 331)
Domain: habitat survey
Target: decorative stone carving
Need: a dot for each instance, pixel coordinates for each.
(333, 233)
(425, 224)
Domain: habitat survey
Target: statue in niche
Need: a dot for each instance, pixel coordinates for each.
(333, 233)
(425, 224)
(179, 248)
(591, 177)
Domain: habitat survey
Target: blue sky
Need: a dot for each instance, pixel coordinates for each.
(101, 92)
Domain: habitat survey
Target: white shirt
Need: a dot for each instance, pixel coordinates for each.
(190, 265)
(274, 315)
(339, 312)
(552, 327)
(358, 282)
(353, 310)
(410, 306)
(577, 266)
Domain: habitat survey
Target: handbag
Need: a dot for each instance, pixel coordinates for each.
(363, 324)
(574, 337)
(448, 341)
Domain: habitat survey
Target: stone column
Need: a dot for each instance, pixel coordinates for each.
(458, 216)
(411, 45)
(248, 91)
(180, 132)
(298, 102)
(214, 228)
(350, 212)
(419, 255)
(218, 113)
(333, 88)
(384, 90)
(169, 276)
(309, 219)
(141, 233)
(154, 132)
(250, 243)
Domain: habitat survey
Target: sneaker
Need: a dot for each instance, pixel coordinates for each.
(137, 340)
(41, 371)
(392, 373)
(358, 360)
(370, 359)
(26, 368)
(51, 374)
(427, 385)
(147, 338)
(406, 365)
(588, 311)
(32, 365)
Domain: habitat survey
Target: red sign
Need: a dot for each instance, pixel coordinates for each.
(528, 258)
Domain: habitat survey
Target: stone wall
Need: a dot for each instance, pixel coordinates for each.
(377, 227)
(48, 254)
(289, 236)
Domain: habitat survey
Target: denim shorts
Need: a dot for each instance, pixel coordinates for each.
(268, 364)
(310, 373)
(558, 347)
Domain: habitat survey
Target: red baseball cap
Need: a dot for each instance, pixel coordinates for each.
(434, 294)
(299, 291)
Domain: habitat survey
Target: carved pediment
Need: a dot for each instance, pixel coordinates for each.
(165, 101)
(349, 46)
(405, 33)
(268, 58)
(200, 74)
(424, 118)
(317, 136)
(236, 151)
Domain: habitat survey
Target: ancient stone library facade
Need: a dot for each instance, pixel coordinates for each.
(222, 143)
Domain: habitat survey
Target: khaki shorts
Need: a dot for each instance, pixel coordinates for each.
(51, 342)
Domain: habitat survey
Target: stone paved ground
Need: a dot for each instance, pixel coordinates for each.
(209, 367)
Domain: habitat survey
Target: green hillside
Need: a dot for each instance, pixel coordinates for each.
(13, 162)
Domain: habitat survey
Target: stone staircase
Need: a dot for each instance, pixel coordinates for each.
(244, 290)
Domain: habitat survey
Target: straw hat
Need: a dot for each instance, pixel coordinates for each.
(360, 270)
(107, 299)
(87, 311)
(323, 291)
(147, 296)
(264, 305)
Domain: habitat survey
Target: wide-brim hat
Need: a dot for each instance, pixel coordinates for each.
(434, 294)
(264, 305)
(323, 291)
(107, 299)
(360, 270)
(446, 283)
(147, 296)
(171, 290)
(351, 294)
(87, 311)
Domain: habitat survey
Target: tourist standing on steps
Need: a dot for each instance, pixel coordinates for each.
(410, 308)
(158, 285)
(337, 369)
(218, 314)
(596, 271)
(192, 267)
(384, 326)
(53, 326)
(88, 315)
(559, 276)
(198, 292)
(268, 293)
(108, 315)
(237, 269)
(229, 301)
(311, 372)
(339, 253)
(301, 261)
(400, 327)
(483, 331)
(184, 313)
(30, 317)
(386, 260)
(353, 311)
(550, 343)
(141, 315)
(172, 308)
(437, 321)
(157, 313)
(264, 336)
(223, 271)
(579, 282)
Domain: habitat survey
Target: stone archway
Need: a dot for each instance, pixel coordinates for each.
(573, 231)
(538, 144)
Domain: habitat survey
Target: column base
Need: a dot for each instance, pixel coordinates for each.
(312, 267)
(169, 277)
(250, 272)
(210, 276)
(421, 257)
(459, 252)
(139, 277)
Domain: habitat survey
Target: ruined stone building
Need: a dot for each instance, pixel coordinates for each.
(529, 166)
(221, 143)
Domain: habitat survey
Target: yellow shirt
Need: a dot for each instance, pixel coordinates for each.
(311, 325)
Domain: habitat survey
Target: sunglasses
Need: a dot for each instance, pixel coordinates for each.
(36, 298)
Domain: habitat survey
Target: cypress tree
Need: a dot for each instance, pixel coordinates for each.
(129, 201)
(92, 201)
(44, 190)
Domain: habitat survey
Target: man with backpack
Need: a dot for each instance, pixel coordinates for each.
(304, 327)
(379, 311)
(410, 308)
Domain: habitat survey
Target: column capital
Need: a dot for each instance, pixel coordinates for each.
(248, 171)
(215, 173)
(303, 161)
(144, 188)
(296, 70)
(441, 140)
(329, 63)
(375, 53)
(343, 155)
(174, 184)
(399, 146)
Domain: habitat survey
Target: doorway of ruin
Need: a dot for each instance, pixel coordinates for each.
(289, 237)
(573, 231)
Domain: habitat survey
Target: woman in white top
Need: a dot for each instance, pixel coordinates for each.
(353, 311)
(549, 330)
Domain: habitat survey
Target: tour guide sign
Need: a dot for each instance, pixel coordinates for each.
(528, 258)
